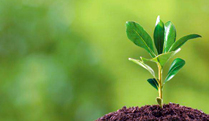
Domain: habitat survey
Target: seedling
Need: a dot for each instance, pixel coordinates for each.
(161, 50)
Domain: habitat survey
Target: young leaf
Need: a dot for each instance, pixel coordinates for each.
(163, 58)
(145, 59)
(181, 41)
(169, 37)
(159, 101)
(153, 82)
(141, 63)
(159, 35)
(140, 37)
(176, 65)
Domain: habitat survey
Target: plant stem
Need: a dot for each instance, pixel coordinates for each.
(160, 71)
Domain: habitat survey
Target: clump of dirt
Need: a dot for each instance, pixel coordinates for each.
(169, 112)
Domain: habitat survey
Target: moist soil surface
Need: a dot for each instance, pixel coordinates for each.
(169, 112)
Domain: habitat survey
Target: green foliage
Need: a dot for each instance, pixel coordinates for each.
(163, 58)
(170, 36)
(159, 101)
(166, 46)
(181, 41)
(153, 82)
(140, 37)
(142, 64)
(176, 65)
(159, 35)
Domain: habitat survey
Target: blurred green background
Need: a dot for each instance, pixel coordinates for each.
(67, 60)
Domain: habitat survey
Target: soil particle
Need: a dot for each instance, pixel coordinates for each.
(169, 112)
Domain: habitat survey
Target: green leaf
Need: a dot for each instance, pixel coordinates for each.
(176, 65)
(163, 58)
(140, 37)
(153, 82)
(169, 37)
(181, 41)
(145, 59)
(159, 101)
(141, 63)
(159, 35)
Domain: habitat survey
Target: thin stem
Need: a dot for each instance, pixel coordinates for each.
(160, 71)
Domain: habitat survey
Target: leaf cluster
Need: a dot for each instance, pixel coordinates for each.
(161, 49)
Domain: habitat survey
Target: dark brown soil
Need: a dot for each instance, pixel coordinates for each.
(169, 112)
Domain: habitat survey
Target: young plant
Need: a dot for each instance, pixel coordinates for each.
(161, 50)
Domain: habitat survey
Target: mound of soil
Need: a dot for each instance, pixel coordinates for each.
(169, 112)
